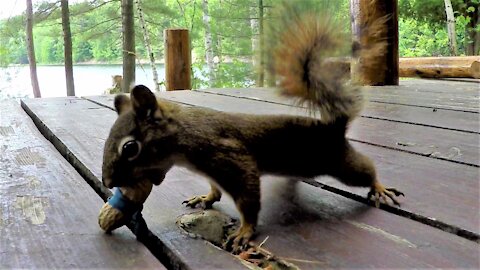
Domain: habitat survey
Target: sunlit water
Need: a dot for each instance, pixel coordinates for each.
(89, 80)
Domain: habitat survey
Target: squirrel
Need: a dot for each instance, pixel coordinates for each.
(234, 150)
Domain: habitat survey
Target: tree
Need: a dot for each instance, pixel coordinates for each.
(452, 36)
(67, 44)
(431, 13)
(208, 44)
(128, 30)
(258, 43)
(146, 40)
(31, 51)
(471, 10)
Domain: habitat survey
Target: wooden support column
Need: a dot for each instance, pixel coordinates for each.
(177, 59)
(373, 68)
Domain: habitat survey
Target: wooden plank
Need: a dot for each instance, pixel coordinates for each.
(464, 87)
(83, 131)
(48, 214)
(443, 118)
(319, 228)
(440, 94)
(306, 223)
(429, 203)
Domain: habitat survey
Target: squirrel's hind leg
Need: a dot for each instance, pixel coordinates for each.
(356, 169)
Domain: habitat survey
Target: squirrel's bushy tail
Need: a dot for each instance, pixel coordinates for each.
(302, 44)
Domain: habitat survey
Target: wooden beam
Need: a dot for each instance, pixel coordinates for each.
(374, 68)
(177, 59)
(441, 67)
(426, 67)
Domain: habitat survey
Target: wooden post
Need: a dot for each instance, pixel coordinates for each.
(177, 59)
(372, 69)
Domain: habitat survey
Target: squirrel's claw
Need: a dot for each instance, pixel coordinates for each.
(196, 200)
(237, 241)
(380, 192)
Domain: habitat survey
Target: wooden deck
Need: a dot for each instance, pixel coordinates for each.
(423, 135)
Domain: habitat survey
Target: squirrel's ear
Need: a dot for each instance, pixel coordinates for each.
(144, 101)
(122, 103)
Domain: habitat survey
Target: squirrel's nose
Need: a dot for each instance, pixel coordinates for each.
(107, 182)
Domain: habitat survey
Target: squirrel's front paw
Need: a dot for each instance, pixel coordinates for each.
(203, 200)
(379, 191)
(238, 240)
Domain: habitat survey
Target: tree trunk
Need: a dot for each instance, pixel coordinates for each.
(146, 40)
(31, 51)
(470, 33)
(452, 36)
(476, 44)
(258, 44)
(375, 31)
(208, 45)
(67, 43)
(128, 45)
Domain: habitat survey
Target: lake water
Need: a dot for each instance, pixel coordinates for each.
(89, 79)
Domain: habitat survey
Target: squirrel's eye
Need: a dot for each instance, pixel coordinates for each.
(131, 149)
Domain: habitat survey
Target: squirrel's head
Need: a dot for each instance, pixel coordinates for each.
(137, 147)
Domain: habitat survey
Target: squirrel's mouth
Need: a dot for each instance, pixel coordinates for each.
(108, 182)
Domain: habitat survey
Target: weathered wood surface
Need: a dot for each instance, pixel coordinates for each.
(48, 214)
(378, 107)
(452, 96)
(83, 132)
(306, 225)
(456, 95)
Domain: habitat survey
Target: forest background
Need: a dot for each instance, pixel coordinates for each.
(224, 33)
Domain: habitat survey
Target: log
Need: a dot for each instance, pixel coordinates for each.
(177, 59)
(441, 67)
(426, 67)
(375, 30)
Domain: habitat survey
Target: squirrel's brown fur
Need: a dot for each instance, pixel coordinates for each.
(234, 150)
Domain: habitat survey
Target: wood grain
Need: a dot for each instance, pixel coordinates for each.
(48, 213)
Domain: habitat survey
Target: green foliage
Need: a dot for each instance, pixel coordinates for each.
(429, 11)
(96, 30)
(420, 39)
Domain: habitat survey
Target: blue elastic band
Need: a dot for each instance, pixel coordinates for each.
(124, 205)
